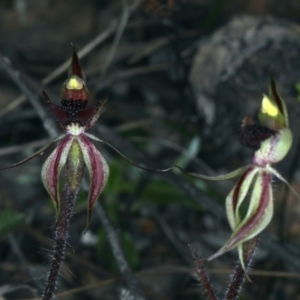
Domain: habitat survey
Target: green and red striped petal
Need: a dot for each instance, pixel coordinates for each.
(98, 171)
(52, 169)
(259, 213)
(237, 196)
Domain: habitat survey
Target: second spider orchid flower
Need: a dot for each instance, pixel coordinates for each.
(75, 149)
(271, 141)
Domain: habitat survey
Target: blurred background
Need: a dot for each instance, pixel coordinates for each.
(180, 75)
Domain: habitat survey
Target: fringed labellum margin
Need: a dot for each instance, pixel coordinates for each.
(271, 141)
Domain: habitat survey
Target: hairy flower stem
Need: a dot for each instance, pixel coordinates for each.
(239, 275)
(61, 235)
(204, 280)
(206, 286)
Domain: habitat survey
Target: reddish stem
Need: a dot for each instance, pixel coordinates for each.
(68, 197)
(206, 286)
(239, 275)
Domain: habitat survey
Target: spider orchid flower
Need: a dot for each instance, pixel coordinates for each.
(75, 149)
(271, 141)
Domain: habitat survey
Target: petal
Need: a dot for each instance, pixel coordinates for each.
(52, 168)
(230, 175)
(39, 152)
(93, 112)
(60, 114)
(126, 158)
(279, 176)
(98, 171)
(237, 196)
(258, 217)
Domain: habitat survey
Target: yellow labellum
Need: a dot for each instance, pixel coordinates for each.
(74, 83)
(268, 107)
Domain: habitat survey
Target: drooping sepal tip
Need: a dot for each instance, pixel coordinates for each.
(98, 172)
(52, 168)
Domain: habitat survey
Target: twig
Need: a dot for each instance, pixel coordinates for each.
(83, 52)
(131, 73)
(16, 249)
(8, 288)
(75, 257)
(103, 36)
(159, 43)
(15, 75)
(154, 46)
(19, 148)
(118, 253)
(169, 233)
(63, 67)
(119, 33)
